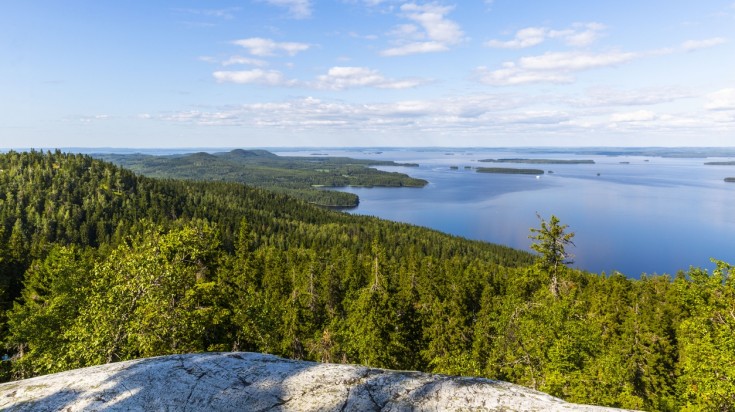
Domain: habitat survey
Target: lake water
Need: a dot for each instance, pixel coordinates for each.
(641, 214)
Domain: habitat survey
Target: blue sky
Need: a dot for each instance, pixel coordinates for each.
(268, 73)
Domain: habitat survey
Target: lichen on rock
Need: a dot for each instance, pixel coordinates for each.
(240, 381)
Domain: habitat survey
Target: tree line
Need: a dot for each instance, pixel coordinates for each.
(98, 265)
(306, 178)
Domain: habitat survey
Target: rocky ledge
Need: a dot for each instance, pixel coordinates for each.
(240, 381)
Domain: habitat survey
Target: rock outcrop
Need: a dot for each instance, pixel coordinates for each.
(255, 382)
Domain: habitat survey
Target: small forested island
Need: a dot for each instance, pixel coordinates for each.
(301, 177)
(100, 265)
(725, 163)
(665, 152)
(540, 161)
(730, 179)
(509, 170)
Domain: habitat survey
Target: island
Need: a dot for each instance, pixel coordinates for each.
(509, 171)
(725, 163)
(306, 178)
(730, 179)
(541, 161)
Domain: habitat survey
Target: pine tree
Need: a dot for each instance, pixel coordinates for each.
(551, 243)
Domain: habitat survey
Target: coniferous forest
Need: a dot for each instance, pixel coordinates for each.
(99, 265)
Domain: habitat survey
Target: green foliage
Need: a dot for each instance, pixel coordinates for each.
(296, 176)
(540, 161)
(509, 171)
(551, 244)
(51, 299)
(369, 330)
(707, 340)
(154, 296)
(99, 265)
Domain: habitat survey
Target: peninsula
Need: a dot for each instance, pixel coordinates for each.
(306, 178)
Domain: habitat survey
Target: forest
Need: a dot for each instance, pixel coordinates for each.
(99, 264)
(540, 161)
(509, 170)
(306, 178)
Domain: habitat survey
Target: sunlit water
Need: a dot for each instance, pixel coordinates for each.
(652, 215)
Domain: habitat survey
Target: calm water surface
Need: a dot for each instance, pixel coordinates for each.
(639, 215)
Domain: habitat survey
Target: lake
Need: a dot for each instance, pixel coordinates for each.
(641, 214)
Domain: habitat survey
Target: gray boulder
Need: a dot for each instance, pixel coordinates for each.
(240, 381)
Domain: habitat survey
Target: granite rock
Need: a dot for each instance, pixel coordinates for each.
(239, 381)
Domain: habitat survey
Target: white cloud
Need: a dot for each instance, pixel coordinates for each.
(511, 75)
(721, 100)
(298, 9)
(432, 19)
(604, 96)
(415, 48)
(407, 31)
(256, 76)
(476, 116)
(552, 67)
(258, 46)
(339, 78)
(527, 37)
(579, 35)
(575, 61)
(87, 119)
(436, 32)
(244, 60)
(636, 116)
(312, 113)
(691, 45)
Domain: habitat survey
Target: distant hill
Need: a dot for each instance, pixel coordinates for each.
(242, 153)
(100, 265)
(306, 178)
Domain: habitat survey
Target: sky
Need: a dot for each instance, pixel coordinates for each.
(293, 73)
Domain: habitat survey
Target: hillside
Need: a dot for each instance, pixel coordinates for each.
(301, 177)
(101, 265)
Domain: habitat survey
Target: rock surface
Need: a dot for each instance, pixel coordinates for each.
(255, 382)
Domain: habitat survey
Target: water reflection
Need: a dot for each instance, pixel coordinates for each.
(632, 214)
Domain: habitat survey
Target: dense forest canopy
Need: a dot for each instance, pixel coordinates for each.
(98, 264)
(300, 177)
